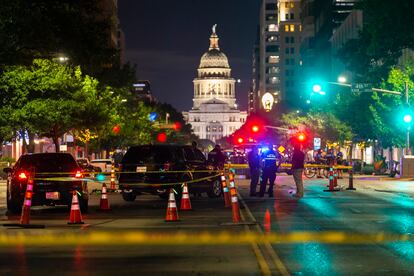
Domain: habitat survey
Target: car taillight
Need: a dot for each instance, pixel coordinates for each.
(78, 174)
(22, 175)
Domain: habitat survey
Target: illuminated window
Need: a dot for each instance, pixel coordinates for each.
(292, 4)
(274, 59)
(292, 28)
(273, 28)
(286, 28)
(300, 28)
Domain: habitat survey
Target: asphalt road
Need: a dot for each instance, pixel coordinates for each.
(376, 206)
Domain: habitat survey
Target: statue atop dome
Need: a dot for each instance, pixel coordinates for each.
(214, 39)
(214, 28)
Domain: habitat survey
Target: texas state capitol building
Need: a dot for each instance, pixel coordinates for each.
(214, 114)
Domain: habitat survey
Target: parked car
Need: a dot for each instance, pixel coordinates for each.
(104, 164)
(87, 167)
(46, 192)
(172, 165)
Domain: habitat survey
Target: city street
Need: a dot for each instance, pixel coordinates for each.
(376, 206)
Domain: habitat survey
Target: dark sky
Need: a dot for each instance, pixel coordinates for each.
(167, 38)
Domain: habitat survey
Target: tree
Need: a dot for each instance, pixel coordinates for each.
(49, 99)
(387, 30)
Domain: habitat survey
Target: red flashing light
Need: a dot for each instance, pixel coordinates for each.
(22, 176)
(177, 126)
(240, 140)
(251, 140)
(255, 128)
(162, 137)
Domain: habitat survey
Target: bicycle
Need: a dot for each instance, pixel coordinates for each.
(311, 172)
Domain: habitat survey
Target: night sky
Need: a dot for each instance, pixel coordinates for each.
(166, 40)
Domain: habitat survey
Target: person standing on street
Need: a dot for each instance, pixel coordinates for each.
(254, 165)
(298, 161)
(270, 162)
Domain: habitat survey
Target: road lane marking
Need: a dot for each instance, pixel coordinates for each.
(270, 250)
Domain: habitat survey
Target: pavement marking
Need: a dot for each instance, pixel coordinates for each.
(270, 250)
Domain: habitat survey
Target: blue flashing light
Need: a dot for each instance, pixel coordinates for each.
(100, 177)
(317, 88)
(153, 116)
(408, 118)
(264, 149)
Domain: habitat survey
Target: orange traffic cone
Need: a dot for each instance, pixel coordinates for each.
(235, 206)
(27, 203)
(267, 224)
(104, 203)
(226, 194)
(185, 200)
(75, 213)
(172, 214)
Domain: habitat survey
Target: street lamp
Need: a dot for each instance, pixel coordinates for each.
(408, 118)
(342, 79)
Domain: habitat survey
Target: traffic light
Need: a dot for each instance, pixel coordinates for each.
(177, 126)
(162, 137)
(255, 128)
(116, 129)
(408, 118)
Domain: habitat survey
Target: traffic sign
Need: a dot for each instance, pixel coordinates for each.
(316, 143)
(361, 87)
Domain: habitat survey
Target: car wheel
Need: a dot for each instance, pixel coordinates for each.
(129, 196)
(215, 189)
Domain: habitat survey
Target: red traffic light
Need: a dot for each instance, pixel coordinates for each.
(116, 129)
(162, 137)
(255, 128)
(177, 126)
(301, 137)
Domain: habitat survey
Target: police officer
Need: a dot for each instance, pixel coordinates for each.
(270, 160)
(216, 157)
(254, 165)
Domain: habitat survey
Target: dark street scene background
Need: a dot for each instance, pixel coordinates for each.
(193, 137)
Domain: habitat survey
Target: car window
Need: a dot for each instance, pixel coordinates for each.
(49, 162)
(193, 156)
(150, 154)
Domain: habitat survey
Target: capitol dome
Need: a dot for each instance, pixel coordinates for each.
(214, 58)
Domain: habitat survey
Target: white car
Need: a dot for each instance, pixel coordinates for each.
(104, 164)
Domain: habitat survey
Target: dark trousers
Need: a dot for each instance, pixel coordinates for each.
(254, 180)
(268, 176)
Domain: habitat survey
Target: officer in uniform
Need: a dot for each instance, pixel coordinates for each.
(270, 160)
(254, 165)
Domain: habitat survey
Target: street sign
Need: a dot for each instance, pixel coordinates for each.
(361, 87)
(316, 143)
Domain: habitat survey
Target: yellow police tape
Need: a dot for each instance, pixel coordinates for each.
(286, 165)
(69, 179)
(49, 238)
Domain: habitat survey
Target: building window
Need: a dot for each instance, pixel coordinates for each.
(271, 17)
(207, 129)
(292, 28)
(272, 48)
(292, 16)
(287, 28)
(274, 59)
(272, 38)
(292, 50)
(274, 80)
(286, 39)
(273, 28)
(287, 51)
(292, 39)
(270, 7)
(273, 70)
(287, 16)
(287, 61)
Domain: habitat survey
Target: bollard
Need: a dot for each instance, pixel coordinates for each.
(331, 182)
(351, 179)
(335, 177)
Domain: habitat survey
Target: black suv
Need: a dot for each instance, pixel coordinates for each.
(46, 192)
(156, 168)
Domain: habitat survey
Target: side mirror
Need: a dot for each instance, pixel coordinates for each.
(7, 170)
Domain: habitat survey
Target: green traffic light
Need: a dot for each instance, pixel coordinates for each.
(408, 118)
(317, 88)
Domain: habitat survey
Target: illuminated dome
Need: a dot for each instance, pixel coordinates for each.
(214, 58)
